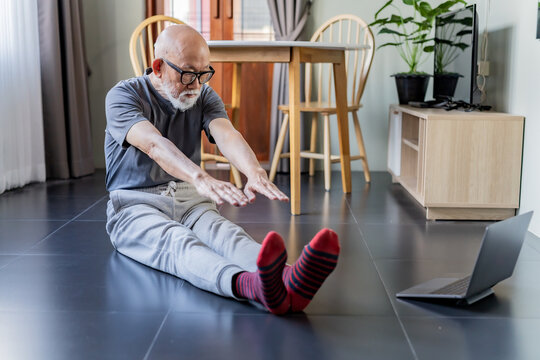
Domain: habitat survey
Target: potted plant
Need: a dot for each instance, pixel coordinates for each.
(411, 36)
(449, 44)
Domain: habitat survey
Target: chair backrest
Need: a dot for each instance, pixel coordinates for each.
(352, 31)
(141, 44)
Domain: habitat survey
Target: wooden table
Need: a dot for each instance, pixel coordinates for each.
(293, 53)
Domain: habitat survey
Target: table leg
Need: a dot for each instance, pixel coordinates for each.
(340, 85)
(294, 129)
(235, 104)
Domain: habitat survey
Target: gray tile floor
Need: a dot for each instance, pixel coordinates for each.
(66, 294)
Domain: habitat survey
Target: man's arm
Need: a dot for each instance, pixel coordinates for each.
(145, 137)
(237, 151)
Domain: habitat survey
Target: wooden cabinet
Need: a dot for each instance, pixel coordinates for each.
(458, 165)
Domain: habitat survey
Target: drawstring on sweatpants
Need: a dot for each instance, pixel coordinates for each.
(171, 189)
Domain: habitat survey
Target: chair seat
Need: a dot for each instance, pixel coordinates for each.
(320, 107)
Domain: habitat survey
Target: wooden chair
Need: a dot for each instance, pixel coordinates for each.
(141, 53)
(354, 33)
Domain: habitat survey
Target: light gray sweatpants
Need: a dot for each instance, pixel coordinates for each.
(172, 228)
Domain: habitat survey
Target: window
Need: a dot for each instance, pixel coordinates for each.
(251, 17)
(252, 20)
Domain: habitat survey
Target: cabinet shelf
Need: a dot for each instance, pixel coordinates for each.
(412, 143)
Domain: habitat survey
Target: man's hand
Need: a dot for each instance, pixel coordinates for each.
(258, 182)
(236, 149)
(219, 191)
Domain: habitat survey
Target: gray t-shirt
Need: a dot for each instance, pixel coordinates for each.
(134, 100)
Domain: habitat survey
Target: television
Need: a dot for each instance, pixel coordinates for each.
(455, 54)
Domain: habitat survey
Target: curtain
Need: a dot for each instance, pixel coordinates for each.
(153, 7)
(21, 128)
(289, 19)
(64, 71)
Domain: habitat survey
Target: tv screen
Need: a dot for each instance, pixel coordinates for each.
(455, 55)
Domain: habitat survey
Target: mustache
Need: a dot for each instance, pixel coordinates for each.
(190, 92)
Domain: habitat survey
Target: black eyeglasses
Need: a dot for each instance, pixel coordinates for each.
(188, 77)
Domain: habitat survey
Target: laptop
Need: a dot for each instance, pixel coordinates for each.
(496, 261)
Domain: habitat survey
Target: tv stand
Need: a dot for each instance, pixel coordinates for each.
(458, 165)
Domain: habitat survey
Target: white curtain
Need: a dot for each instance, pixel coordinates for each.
(22, 158)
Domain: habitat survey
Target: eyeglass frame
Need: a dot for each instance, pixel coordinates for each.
(197, 74)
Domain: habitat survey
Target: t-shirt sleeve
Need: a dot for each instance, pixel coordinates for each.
(212, 108)
(123, 109)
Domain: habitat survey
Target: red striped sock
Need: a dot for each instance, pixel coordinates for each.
(317, 261)
(266, 285)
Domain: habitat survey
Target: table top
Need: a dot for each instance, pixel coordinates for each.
(274, 44)
(442, 114)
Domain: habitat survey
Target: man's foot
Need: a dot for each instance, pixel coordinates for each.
(266, 285)
(317, 261)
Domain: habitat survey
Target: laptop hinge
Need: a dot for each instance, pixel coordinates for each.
(474, 298)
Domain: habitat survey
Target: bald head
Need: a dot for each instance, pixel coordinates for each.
(179, 43)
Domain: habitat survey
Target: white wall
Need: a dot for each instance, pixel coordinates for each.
(513, 87)
(514, 54)
(108, 26)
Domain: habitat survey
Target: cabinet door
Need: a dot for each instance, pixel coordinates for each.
(473, 162)
(394, 142)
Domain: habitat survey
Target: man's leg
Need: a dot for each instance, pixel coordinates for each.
(146, 234)
(264, 263)
(302, 280)
(144, 231)
(227, 239)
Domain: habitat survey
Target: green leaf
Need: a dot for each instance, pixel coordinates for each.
(389, 44)
(429, 48)
(390, 31)
(396, 19)
(384, 6)
(424, 8)
(444, 7)
(421, 41)
(379, 21)
(408, 2)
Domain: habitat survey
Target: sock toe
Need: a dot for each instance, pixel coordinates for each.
(272, 248)
(326, 241)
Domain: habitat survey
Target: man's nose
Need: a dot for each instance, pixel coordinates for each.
(194, 85)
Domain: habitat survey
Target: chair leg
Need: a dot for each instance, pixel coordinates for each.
(361, 148)
(279, 146)
(327, 163)
(313, 142)
(235, 177)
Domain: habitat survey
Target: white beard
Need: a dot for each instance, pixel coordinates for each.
(182, 103)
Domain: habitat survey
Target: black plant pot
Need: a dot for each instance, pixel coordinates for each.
(411, 87)
(445, 84)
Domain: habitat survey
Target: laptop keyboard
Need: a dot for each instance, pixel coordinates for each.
(456, 288)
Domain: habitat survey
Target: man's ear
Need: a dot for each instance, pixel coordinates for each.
(156, 67)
